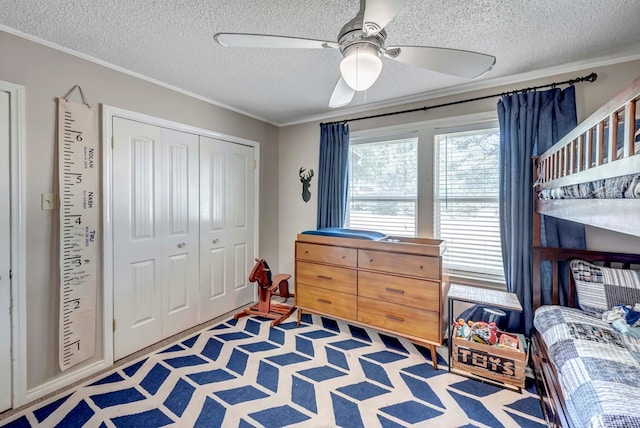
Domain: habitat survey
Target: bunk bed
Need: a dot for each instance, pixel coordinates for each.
(587, 371)
(592, 175)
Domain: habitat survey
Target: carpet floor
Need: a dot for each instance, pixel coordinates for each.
(325, 373)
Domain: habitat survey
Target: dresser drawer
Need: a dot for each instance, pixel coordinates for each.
(404, 264)
(419, 293)
(404, 320)
(330, 277)
(327, 302)
(327, 254)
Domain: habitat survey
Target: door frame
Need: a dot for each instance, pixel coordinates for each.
(17, 250)
(108, 113)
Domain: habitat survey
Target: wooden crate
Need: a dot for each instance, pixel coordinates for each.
(504, 365)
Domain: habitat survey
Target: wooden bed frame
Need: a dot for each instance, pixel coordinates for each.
(570, 162)
(553, 402)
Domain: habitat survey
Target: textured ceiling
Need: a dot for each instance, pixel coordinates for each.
(171, 41)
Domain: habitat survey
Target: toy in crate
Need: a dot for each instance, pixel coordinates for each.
(483, 332)
(481, 349)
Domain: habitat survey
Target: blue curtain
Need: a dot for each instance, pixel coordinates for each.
(555, 232)
(529, 124)
(333, 174)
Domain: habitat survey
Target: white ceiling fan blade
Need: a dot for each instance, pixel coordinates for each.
(448, 61)
(378, 13)
(342, 94)
(244, 40)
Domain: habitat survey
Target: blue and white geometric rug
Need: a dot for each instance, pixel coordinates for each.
(325, 373)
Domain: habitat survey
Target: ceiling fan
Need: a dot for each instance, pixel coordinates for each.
(362, 44)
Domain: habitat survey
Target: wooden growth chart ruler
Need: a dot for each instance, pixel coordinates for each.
(78, 166)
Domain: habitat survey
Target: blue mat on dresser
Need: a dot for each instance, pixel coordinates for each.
(325, 373)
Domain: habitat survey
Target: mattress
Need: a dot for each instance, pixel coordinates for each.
(347, 233)
(598, 368)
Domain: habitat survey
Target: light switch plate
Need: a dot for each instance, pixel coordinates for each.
(49, 201)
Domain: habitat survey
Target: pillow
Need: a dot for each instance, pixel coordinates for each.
(600, 289)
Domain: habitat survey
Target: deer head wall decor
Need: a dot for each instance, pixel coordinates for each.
(305, 179)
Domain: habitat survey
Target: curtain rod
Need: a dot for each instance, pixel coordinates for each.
(590, 78)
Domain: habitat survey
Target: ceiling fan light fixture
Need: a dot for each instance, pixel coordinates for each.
(361, 66)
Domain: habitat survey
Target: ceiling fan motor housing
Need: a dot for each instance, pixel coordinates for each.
(352, 35)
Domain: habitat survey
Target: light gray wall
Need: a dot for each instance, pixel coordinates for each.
(299, 146)
(47, 74)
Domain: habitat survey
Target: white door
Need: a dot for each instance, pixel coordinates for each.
(137, 236)
(180, 241)
(226, 226)
(5, 259)
(155, 228)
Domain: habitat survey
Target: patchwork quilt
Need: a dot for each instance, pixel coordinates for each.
(626, 186)
(598, 368)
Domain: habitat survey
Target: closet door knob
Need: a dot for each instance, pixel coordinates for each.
(215, 241)
(181, 245)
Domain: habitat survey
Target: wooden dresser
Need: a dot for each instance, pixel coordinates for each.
(394, 285)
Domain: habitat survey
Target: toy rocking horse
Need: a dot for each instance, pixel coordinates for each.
(267, 285)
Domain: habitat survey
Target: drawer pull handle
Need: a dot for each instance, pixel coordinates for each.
(306, 251)
(394, 318)
(394, 290)
(370, 260)
(328, 302)
(324, 277)
(421, 267)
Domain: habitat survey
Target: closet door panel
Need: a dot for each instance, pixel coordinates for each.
(137, 237)
(214, 275)
(214, 287)
(241, 230)
(180, 231)
(143, 292)
(240, 262)
(226, 219)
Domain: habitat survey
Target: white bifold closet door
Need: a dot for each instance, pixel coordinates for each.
(155, 234)
(226, 226)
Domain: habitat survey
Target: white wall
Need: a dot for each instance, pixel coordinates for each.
(47, 74)
(299, 145)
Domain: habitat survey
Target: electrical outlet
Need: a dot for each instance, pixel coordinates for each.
(49, 201)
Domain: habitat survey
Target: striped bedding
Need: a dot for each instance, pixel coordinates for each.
(626, 186)
(598, 368)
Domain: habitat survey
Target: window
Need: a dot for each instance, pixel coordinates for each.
(466, 203)
(383, 186)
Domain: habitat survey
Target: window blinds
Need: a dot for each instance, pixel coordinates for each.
(466, 206)
(383, 186)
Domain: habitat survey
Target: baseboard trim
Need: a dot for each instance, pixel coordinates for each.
(59, 383)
